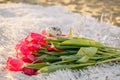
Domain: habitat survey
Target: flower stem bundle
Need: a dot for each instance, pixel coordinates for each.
(44, 54)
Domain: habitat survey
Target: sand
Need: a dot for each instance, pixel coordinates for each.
(18, 20)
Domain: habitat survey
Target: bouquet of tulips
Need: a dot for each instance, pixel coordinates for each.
(51, 50)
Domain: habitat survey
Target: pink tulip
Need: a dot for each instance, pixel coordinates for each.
(14, 64)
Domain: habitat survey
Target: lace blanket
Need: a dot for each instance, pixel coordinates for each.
(17, 20)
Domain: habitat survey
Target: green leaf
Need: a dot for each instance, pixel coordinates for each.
(67, 52)
(70, 33)
(41, 51)
(48, 58)
(83, 59)
(64, 62)
(66, 47)
(52, 68)
(96, 57)
(61, 39)
(57, 39)
(87, 51)
(68, 59)
(81, 42)
(37, 66)
(71, 57)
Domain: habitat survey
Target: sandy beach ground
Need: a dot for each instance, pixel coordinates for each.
(108, 9)
(18, 19)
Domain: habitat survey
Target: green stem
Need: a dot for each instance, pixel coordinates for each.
(109, 60)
